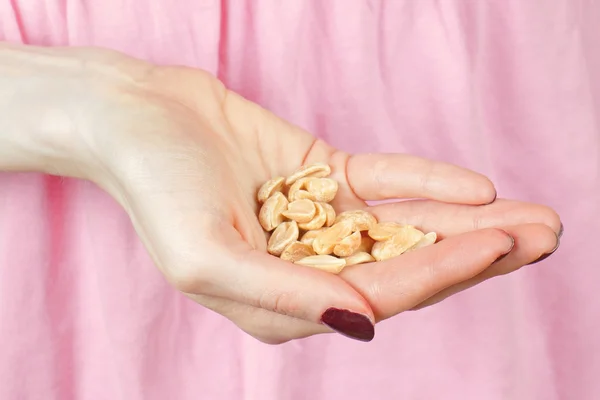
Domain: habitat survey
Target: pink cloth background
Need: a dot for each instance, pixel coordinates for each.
(510, 88)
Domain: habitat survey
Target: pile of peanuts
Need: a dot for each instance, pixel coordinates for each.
(304, 228)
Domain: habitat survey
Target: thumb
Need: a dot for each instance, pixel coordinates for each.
(200, 252)
(227, 267)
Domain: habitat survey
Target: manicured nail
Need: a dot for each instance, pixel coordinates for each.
(512, 246)
(560, 231)
(350, 324)
(544, 256)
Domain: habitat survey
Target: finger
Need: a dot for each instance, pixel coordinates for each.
(398, 284)
(452, 219)
(266, 326)
(368, 176)
(394, 176)
(532, 242)
(230, 269)
(190, 236)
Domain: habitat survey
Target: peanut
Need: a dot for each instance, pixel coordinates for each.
(297, 191)
(284, 235)
(362, 220)
(303, 228)
(325, 242)
(317, 170)
(401, 241)
(297, 251)
(330, 214)
(348, 245)
(317, 221)
(301, 194)
(270, 187)
(366, 244)
(300, 210)
(322, 189)
(359, 257)
(385, 230)
(425, 241)
(270, 214)
(309, 237)
(324, 262)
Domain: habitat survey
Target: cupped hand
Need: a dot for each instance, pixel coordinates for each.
(184, 157)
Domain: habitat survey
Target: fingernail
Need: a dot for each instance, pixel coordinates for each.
(512, 246)
(560, 231)
(495, 197)
(350, 324)
(544, 256)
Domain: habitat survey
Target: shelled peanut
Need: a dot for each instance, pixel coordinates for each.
(305, 229)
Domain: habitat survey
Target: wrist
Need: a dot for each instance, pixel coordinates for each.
(49, 98)
(35, 123)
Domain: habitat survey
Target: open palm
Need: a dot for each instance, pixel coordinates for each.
(192, 158)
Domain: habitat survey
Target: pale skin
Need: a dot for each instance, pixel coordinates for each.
(184, 157)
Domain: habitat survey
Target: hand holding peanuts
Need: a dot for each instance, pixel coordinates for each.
(202, 173)
(313, 236)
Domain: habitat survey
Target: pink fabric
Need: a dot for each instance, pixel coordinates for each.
(507, 87)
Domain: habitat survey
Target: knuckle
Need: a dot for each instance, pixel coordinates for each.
(477, 221)
(378, 177)
(375, 293)
(280, 302)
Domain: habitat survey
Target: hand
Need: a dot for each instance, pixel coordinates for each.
(184, 157)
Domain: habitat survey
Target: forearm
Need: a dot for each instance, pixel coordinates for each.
(38, 92)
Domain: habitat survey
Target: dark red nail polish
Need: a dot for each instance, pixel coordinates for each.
(350, 324)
